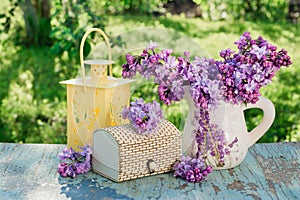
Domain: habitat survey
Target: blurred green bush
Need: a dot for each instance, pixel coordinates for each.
(33, 104)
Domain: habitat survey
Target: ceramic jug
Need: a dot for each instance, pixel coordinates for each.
(230, 118)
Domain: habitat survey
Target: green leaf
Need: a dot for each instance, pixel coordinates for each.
(86, 49)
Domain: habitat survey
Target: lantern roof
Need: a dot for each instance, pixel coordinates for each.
(109, 83)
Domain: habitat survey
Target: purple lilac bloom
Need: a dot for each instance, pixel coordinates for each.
(165, 94)
(211, 139)
(70, 171)
(143, 116)
(74, 163)
(259, 52)
(236, 79)
(171, 74)
(130, 68)
(203, 77)
(66, 153)
(191, 169)
(160, 65)
(252, 67)
(226, 53)
(152, 45)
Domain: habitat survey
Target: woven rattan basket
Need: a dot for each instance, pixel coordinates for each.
(119, 153)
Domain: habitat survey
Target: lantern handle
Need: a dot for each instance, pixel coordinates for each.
(81, 52)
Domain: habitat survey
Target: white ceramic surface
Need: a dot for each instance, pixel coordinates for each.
(231, 119)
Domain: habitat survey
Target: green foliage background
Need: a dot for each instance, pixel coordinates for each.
(33, 104)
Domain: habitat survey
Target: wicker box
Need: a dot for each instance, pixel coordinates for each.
(120, 154)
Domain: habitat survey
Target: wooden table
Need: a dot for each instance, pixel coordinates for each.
(270, 171)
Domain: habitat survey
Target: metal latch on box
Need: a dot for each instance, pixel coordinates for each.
(151, 165)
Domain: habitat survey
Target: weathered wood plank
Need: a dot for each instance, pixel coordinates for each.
(270, 171)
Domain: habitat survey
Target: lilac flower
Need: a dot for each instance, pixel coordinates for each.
(237, 78)
(125, 113)
(250, 86)
(162, 66)
(165, 94)
(210, 138)
(191, 169)
(86, 150)
(152, 45)
(160, 72)
(143, 116)
(66, 154)
(69, 170)
(171, 74)
(202, 74)
(74, 163)
(254, 66)
(259, 52)
(186, 54)
(129, 69)
(226, 53)
(164, 54)
(177, 90)
(62, 169)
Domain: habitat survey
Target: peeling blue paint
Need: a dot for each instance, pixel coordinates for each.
(270, 171)
(89, 189)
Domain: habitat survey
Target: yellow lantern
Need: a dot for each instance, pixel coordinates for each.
(94, 101)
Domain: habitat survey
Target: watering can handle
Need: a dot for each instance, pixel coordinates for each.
(81, 52)
(268, 117)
